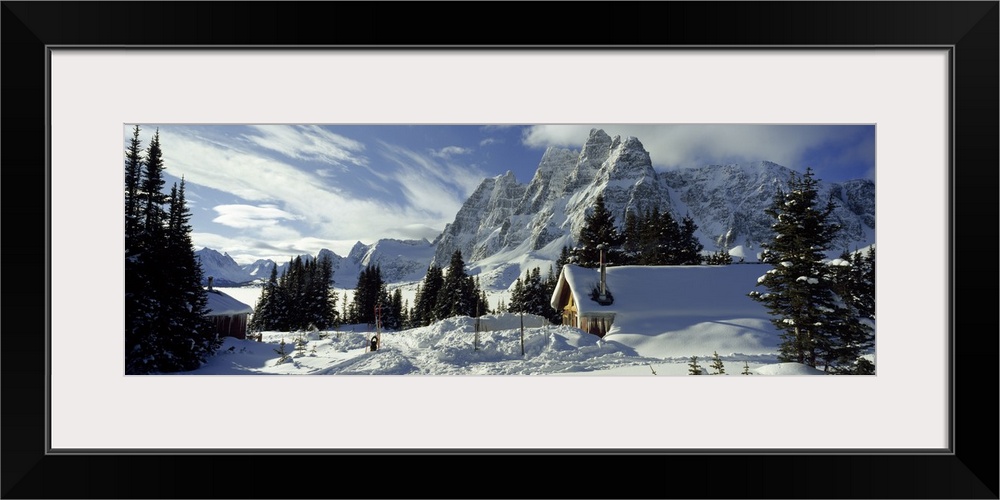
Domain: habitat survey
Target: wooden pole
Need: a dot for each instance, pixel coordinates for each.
(522, 333)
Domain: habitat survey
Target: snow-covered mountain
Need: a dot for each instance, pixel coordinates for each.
(506, 228)
(506, 225)
(399, 261)
(222, 268)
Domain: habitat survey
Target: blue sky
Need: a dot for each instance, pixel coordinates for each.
(273, 191)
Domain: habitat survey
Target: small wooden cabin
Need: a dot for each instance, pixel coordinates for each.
(655, 299)
(229, 315)
(572, 298)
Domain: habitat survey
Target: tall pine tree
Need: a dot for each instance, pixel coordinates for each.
(800, 295)
(165, 325)
(598, 232)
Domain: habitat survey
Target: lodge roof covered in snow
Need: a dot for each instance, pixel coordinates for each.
(648, 297)
(220, 304)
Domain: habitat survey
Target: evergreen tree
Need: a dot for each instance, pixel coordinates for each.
(631, 239)
(689, 251)
(193, 336)
(165, 325)
(133, 178)
(719, 258)
(850, 318)
(564, 258)
(800, 296)
(598, 232)
(693, 367)
(263, 312)
(746, 369)
(369, 295)
(717, 366)
(394, 313)
(425, 302)
(457, 296)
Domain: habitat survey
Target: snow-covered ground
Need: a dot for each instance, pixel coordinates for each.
(744, 341)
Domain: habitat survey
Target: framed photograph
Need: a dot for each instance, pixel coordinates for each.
(920, 78)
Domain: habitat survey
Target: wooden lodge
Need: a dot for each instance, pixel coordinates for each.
(228, 314)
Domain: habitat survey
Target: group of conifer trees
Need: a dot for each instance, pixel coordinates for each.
(825, 309)
(301, 299)
(445, 293)
(649, 238)
(532, 295)
(166, 329)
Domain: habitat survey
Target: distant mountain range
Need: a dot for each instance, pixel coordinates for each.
(399, 260)
(506, 228)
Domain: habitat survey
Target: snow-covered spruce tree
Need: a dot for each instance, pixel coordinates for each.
(854, 325)
(631, 239)
(425, 302)
(165, 327)
(717, 365)
(193, 336)
(689, 248)
(565, 257)
(693, 367)
(457, 296)
(598, 229)
(719, 258)
(263, 312)
(800, 295)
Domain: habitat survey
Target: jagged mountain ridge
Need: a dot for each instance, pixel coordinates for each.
(505, 227)
(726, 202)
(399, 261)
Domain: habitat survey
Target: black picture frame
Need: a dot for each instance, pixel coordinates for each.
(969, 28)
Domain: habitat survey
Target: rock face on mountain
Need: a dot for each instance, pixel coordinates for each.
(221, 268)
(398, 261)
(506, 227)
(726, 202)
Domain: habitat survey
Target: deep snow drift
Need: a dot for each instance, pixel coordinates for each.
(701, 311)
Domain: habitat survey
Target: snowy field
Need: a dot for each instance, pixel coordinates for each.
(452, 347)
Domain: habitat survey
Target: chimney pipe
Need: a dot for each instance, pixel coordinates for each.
(210, 283)
(603, 277)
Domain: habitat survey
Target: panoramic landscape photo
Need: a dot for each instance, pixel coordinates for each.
(481, 249)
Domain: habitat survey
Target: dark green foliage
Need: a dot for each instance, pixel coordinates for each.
(746, 369)
(717, 366)
(133, 178)
(165, 325)
(656, 239)
(598, 232)
(302, 299)
(694, 368)
(811, 302)
(719, 258)
(688, 247)
(425, 302)
(370, 296)
(533, 296)
(564, 258)
(459, 295)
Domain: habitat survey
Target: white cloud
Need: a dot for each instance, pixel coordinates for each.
(250, 216)
(487, 141)
(449, 151)
(308, 142)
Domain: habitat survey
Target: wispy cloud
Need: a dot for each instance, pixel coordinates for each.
(308, 142)
(487, 141)
(285, 201)
(249, 216)
(450, 151)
